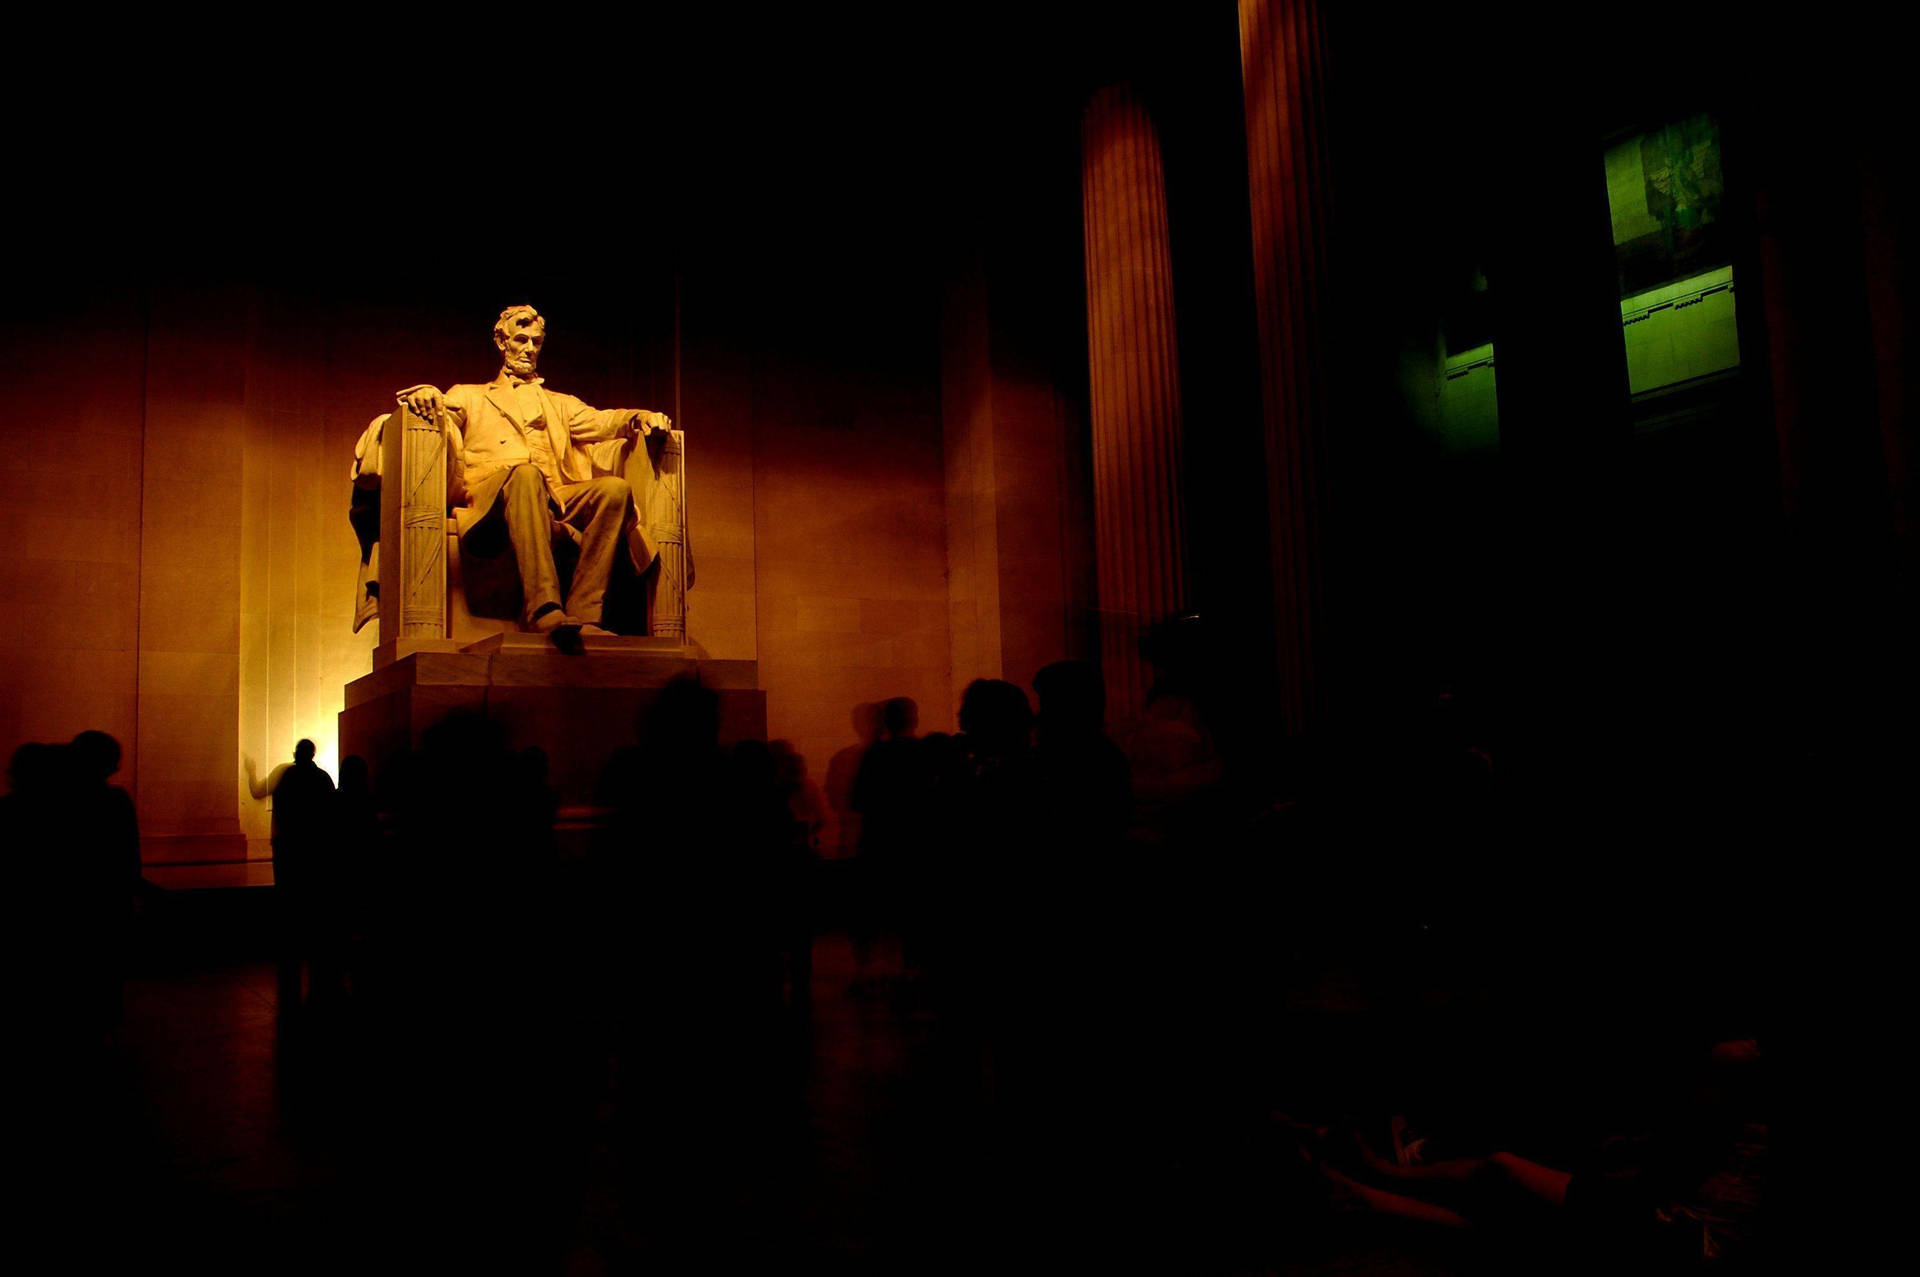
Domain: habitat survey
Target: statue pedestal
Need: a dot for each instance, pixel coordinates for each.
(579, 706)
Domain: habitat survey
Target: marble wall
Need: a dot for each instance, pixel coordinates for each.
(1019, 542)
(849, 531)
(70, 590)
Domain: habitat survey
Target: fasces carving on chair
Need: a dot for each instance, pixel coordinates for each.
(522, 470)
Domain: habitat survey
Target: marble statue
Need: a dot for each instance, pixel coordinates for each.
(526, 464)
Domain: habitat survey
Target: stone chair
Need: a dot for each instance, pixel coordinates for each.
(410, 572)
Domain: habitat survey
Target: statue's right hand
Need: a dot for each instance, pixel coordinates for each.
(422, 401)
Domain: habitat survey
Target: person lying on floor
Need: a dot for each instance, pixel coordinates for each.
(1687, 1194)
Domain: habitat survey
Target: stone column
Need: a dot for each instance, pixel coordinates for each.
(1282, 61)
(1133, 361)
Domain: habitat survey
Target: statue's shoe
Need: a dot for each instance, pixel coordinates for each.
(590, 630)
(548, 622)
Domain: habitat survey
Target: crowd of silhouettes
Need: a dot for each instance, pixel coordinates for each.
(663, 961)
(1101, 928)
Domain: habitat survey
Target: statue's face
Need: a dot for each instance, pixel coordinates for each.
(520, 348)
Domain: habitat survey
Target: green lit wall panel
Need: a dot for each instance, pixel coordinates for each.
(1680, 331)
(1469, 410)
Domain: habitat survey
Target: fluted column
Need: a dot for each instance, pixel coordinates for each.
(413, 564)
(1134, 365)
(667, 520)
(1282, 62)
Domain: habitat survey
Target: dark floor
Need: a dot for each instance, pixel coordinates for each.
(252, 1137)
(470, 1120)
(244, 1138)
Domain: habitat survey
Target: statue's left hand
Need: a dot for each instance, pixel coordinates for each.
(423, 402)
(645, 422)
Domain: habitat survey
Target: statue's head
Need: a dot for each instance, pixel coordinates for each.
(519, 333)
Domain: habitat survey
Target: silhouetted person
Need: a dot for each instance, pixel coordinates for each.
(33, 778)
(1085, 799)
(842, 770)
(804, 799)
(775, 861)
(983, 838)
(996, 727)
(1176, 767)
(1082, 908)
(685, 874)
(1683, 1191)
(106, 862)
(536, 806)
(357, 810)
(889, 795)
(685, 904)
(357, 842)
(44, 888)
(303, 827)
(940, 855)
(807, 815)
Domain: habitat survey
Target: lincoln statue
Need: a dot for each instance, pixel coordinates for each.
(516, 477)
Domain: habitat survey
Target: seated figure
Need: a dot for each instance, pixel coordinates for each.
(529, 470)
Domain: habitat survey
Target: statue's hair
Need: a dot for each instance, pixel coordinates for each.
(522, 315)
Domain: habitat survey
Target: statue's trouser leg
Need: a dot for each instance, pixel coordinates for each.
(599, 509)
(530, 527)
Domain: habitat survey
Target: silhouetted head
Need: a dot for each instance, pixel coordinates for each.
(535, 765)
(789, 765)
(303, 752)
(31, 769)
(995, 716)
(685, 717)
(355, 776)
(94, 755)
(1073, 699)
(1176, 648)
(900, 716)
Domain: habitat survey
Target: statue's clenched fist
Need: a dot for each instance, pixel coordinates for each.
(422, 402)
(646, 422)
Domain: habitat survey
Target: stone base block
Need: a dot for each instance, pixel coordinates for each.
(192, 849)
(580, 706)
